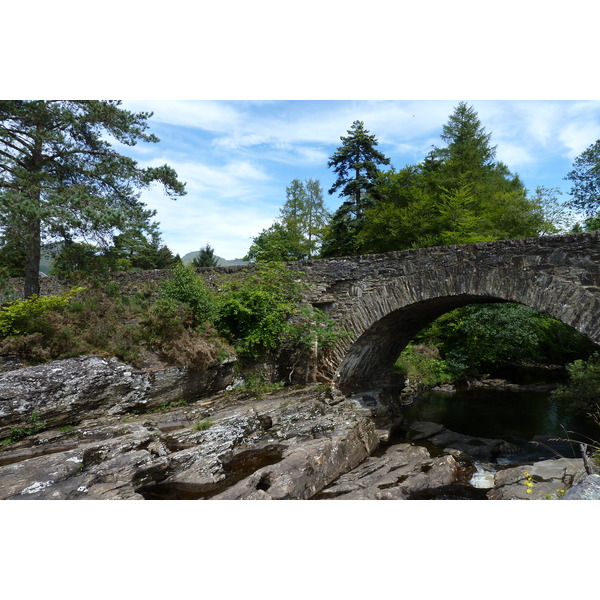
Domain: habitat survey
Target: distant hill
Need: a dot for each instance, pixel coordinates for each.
(50, 250)
(189, 257)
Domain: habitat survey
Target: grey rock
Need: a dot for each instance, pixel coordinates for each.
(587, 488)
(286, 446)
(68, 391)
(400, 471)
(548, 479)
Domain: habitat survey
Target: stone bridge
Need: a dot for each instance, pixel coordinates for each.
(384, 300)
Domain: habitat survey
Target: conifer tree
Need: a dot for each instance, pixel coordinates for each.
(356, 164)
(206, 257)
(60, 177)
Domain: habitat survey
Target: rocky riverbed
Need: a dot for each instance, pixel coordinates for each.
(93, 428)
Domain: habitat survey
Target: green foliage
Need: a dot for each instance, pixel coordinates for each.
(483, 337)
(203, 425)
(298, 233)
(78, 260)
(582, 391)
(18, 433)
(593, 223)
(355, 163)
(278, 243)
(206, 257)
(187, 287)
(458, 194)
(23, 317)
(262, 311)
(254, 310)
(258, 384)
(61, 178)
(422, 363)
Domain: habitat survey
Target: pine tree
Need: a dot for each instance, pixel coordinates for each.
(356, 164)
(206, 257)
(61, 178)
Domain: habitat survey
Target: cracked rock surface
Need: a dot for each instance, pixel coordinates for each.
(287, 446)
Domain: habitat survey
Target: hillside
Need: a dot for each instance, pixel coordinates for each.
(189, 257)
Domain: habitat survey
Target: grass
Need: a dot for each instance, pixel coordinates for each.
(203, 425)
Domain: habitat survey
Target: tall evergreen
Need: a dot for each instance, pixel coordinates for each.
(460, 193)
(206, 257)
(60, 178)
(356, 164)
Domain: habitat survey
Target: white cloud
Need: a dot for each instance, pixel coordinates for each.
(209, 115)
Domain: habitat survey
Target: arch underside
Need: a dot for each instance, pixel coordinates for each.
(372, 356)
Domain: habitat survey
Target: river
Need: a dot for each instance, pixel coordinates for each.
(530, 420)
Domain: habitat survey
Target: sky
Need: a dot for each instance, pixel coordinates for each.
(238, 157)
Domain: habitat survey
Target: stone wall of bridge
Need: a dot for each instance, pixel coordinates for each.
(384, 300)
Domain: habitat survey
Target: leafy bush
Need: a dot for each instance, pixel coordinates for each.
(422, 363)
(582, 392)
(23, 317)
(481, 337)
(187, 287)
(262, 311)
(254, 310)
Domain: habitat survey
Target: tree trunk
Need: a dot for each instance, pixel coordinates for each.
(32, 267)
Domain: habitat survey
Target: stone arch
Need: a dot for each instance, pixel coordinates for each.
(385, 319)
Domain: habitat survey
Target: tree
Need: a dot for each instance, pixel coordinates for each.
(468, 149)
(458, 194)
(304, 214)
(61, 178)
(316, 217)
(586, 180)
(355, 163)
(206, 258)
(298, 232)
(277, 244)
(133, 249)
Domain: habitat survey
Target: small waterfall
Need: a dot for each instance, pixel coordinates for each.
(484, 476)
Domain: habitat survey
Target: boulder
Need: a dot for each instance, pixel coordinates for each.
(68, 391)
(400, 471)
(547, 479)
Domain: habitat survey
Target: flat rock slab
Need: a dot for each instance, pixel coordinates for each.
(401, 470)
(66, 392)
(588, 488)
(547, 479)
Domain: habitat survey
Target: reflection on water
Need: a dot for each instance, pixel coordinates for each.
(517, 417)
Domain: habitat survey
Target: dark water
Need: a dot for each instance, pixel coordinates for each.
(520, 418)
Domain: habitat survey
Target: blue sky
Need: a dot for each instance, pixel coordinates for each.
(249, 96)
(238, 157)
